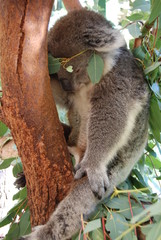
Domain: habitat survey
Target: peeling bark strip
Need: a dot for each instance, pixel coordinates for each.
(28, 106)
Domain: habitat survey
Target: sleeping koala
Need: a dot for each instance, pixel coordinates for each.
(115, 123)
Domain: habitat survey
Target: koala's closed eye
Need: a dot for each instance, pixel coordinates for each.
(66, 84)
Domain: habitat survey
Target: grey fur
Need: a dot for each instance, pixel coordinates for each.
(116, 126)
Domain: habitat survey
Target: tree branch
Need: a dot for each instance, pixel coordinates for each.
(29, 107)
(71, 5)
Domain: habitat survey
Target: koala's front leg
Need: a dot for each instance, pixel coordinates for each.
(109, 129)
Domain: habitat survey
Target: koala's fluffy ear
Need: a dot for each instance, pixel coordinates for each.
(103, 39)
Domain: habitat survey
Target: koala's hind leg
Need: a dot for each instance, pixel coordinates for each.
(66, 220)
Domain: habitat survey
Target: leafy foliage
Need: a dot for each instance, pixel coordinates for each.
(133, 205)
(18, 216)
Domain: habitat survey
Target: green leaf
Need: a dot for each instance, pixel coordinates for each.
(116, 224)
(134, 30)
(156, 89)
(3, 129)
(153, 210)
(141, 4)
(155, 119)
(95, 68)
(152, 67)
(152, 161)
(92, 225)
(140, 178)
(97, 235)
(13, 233)
(122, 204)
(22, 194)
(156, 10)
(151, 151)
(24, 223)
(135, 16)
(17, 169)
(139, 53)
(53, 64)
(18, 207)
(69, 69)
(6, 220)
(6, 163)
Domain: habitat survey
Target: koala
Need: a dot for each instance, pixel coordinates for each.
(76, 101)
(115, 121)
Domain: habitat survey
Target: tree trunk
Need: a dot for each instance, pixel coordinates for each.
(28, 107)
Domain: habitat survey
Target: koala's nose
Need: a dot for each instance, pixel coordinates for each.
(66, 84)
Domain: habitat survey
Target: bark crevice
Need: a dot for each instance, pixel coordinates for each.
(20, 48)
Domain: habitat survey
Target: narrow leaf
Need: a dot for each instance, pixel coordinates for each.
(152, 67)
(156, 10)
(24, 223)
(53, 64)
(6, 163)
(92, 225)
(3, 129)
(95, 68)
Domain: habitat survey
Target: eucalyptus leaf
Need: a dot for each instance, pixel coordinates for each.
(152, 161)
(3, 129)
(53, 64)
(17, 208)
(17, 169)
(6, 163)
(135, 16)
(116, 224)
(6, 220)
(156, 10)
(141, 4)
(155, 232)
(152, 67)
(134, 30)
(139, 53)
(13, 232)
(69, 69)
(22, 194)
(122, 204)
(153, 210)
(24, 223)
(156, 89)
(155, 119)
(92, 225)
(95, 68)
(97, 235)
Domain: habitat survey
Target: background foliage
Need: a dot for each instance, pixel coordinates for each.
(134, 210)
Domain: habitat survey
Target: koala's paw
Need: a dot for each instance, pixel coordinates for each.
(98, 179)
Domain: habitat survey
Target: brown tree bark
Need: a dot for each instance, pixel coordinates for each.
(72, 5)
(28, 107)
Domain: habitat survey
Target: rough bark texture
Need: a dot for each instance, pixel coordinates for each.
(28, 107)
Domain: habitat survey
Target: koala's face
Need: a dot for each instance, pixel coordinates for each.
(73, 81)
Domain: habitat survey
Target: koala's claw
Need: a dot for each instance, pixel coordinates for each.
(80, 171)
(98, 179)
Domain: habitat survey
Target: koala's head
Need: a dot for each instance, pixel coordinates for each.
(80, 30)
(78, 77)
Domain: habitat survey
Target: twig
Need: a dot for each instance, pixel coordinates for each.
(84, 236)
(156, 31)
(18, 211)
(131, 211)
(103, 227)
(117, 192)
